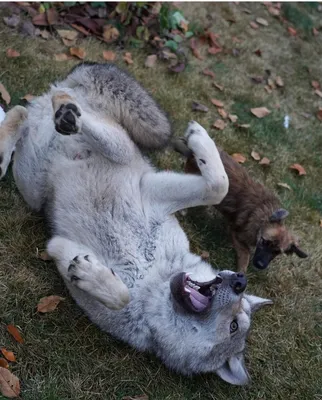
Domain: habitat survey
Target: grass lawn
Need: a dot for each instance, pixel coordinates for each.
(65, 356)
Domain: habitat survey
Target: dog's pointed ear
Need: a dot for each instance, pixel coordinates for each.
(300, 253)
(234, 371)
(278, 215)
(257, 302)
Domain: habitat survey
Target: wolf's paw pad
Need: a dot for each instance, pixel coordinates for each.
(67, 120)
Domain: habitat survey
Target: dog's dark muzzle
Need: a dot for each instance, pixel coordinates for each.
(263, 256)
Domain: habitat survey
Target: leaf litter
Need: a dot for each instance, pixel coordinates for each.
(9, 384)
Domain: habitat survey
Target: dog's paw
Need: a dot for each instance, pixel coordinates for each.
(88, 274)
(67, 114)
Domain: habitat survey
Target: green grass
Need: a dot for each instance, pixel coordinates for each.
(64, 356)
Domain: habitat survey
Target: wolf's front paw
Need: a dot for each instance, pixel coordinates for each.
(88, 274)
(67, 113)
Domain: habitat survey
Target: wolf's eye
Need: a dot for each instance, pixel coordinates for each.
(233, 326)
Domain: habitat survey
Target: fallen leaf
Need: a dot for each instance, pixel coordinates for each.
(207, 72)
(4, 363)
(110, 33)
(9, 384)
(77, 52)
(320, 223)
(254, 25)
(194, 48)
(243, 126)
(4, 94)
(315, 32)
(214, 50)
(291, 31)
(45, 34)
(68, 37)
(299, 169)
(232, 117)
(239, 158)
(222, 112)
(279, 82)
(128, 58)
(109, 55)
(318, 92)
(262, 21)
(217, 103)
(199, 107)
(264, 161)
(205, 255)
(150, 61)
(81, 29)
(315, 84)
(11, 53)
(268, 89)
(255, 155)
(52, 16)
(273, 11)
(48, 304)
(319, 114)
(140, 397)
(284, 185)
(15, 333)
(12, 21)
(8, 354)
(219, 124)
(220, 87)
(63, 57)
(257, 79)
(183, 25)
(258, 52)
(260, 112)
(213, 39)
(271, 83)
(44, 256)
(40, 20)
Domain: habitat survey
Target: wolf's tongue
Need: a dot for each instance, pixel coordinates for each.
(198, 300)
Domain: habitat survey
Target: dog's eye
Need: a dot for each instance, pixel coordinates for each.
(233, 326)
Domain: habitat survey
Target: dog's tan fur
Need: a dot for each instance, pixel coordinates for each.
(247, 208)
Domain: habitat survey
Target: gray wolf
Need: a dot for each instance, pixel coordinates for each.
(253, 212)
(115, 239)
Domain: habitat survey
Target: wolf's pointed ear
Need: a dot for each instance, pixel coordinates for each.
(278, 215)
(257, 302)
(234, 371)
(300, 253)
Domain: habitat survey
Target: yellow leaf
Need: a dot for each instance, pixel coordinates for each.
(217, 103)
(239, 158)
(260, 112)
(77, 52)
(48, 304)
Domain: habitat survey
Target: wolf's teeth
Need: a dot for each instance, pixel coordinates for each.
(187, 290)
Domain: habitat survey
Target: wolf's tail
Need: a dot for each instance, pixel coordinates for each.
(114, 92)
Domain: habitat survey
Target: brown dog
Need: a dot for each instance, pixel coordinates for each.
(253, 213)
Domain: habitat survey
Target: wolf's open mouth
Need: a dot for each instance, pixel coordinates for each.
(192, 295)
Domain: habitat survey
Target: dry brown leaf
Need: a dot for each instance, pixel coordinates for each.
(8, 354)
(260, 112)
(291, 31)
(67, 34)
(284, 185)
(214, 50)
(255, 155)
(63, 57)
(271, 83)
(315, 84)
(12, 53)
(222, 112)
(204, 255)
(44, 34)
(219, 124)
(4, 94)
(239, 158)
(209, 73)
(150, 61)
(49, 303)
(299, 169)
(268, 89)
(109, 55)
(262, 21)
(318, 92)
(9, 384)
(184, 26)
(217, 103)
(110, 33)
(244, 126)
(279, 81)
(28, 97)
(254, 25)
(128, 58)
(77, 52)
(319, 114)
(4, 363)
(264, 161)
(273, 11)
(233, 118)
(220, 87)
(15, 333)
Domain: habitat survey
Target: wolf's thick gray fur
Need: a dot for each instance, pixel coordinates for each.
(115, 239)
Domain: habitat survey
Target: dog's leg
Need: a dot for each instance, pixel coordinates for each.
(9, 135)
(243, 253)
(103, 136)
(170, 191)
(79, 267)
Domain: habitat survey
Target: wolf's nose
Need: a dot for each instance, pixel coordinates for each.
(238, 282)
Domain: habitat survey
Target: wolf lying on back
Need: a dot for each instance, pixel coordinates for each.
(115, 239)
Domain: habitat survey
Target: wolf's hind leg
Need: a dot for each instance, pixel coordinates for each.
(103, 135)
(79, 267)
(9, 135)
